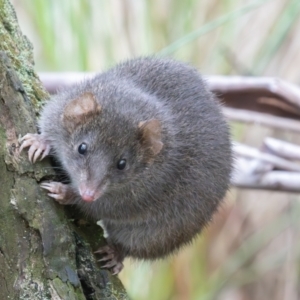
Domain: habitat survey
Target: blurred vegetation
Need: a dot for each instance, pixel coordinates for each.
(251, 250)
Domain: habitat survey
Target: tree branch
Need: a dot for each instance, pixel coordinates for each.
(265, 86)
(273, 167)
(247, 116)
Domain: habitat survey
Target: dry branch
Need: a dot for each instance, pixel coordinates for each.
(261, 94)
(253, 153)
(257, 169)
(54, 82)
(247, 116)
(265, 86)
(273, 180)
(282, 149)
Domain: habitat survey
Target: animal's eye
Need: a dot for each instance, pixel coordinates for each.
(82, 148)
(121, 164)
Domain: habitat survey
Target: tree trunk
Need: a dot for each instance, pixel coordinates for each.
(43, 254)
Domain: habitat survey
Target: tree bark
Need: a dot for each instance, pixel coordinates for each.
(43, 254)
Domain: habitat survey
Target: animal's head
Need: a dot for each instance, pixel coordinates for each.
(105, 148)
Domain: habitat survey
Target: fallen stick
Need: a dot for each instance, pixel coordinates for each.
(264, 85)
(281, 148)
(247, 116)
(253, 153)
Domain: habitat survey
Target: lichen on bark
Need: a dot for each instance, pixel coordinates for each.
(43, 255)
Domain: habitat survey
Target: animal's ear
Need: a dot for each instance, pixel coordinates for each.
(80, 111)
(150, 136)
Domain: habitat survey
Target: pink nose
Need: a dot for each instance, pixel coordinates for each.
(87, 194)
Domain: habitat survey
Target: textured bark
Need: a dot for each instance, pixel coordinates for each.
(43, 254)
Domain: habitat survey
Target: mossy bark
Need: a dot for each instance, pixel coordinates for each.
(43, 254)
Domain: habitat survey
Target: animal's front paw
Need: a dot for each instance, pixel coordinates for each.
(62, 193)
(38, 146)
(113, 259)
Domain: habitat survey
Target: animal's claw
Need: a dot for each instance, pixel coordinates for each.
(37, 144)
(113, 259)
(58, 191)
